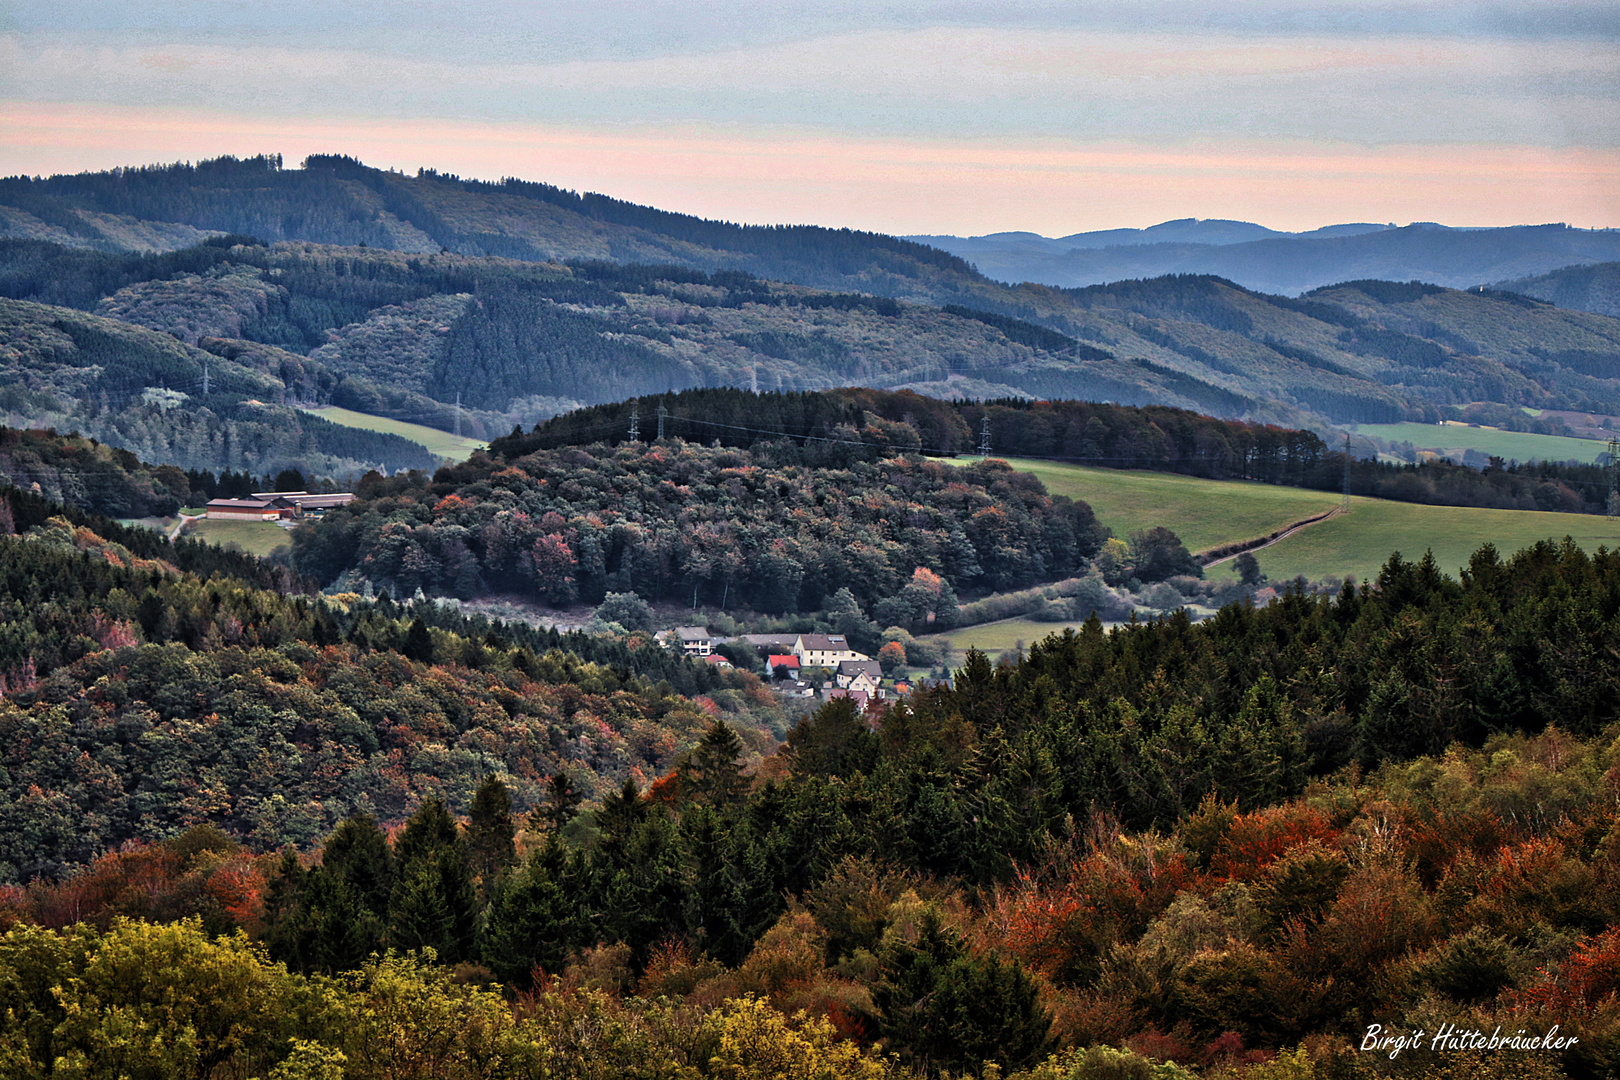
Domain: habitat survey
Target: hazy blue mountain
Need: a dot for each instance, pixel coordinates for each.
(1285, 263)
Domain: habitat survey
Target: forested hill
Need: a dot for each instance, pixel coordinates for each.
(408, 336)
(337, 200)
(145, 686)
(1584, 288)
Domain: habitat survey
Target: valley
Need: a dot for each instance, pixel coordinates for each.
(1097, 805)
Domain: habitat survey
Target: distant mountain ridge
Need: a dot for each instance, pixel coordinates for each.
(1286, 263)
(1212, 231)
(440, 300)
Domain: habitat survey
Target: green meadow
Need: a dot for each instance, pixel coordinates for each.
(255, 537)
(1510, 445)
(440, 444)
(1204, 513)
(1357, 544)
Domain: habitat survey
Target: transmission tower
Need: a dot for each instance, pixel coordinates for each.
(1614, 476)
(635, 422)
(984, 438)
(458, 414)
(1346, 504)
(662, 412)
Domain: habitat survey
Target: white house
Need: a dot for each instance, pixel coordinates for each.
(824, 650)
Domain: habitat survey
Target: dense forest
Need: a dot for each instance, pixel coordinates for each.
(512, 295)
(163, 400)
(172, 673)
(778, 532)
(1391, 807)
(875, 423)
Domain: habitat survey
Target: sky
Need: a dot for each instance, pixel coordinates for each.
(904, 117)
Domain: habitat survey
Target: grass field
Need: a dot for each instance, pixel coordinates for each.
(255, 537)
(995, 638)
(1512, 445)
(1204, 513)
(1358, 543)
(440, 444)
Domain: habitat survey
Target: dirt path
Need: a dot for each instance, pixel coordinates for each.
(1265, 541)
(181, 524)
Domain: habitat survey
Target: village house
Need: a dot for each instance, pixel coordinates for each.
(695, 640)
(791, 663)
(771, 643)
(859, 675)
(824, 650)
(859, 697)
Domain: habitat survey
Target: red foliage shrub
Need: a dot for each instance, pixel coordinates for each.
(1254, 841)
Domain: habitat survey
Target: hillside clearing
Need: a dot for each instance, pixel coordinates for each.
(440, 444)
(1204, 513)
(1357, 544)
(254, 537)
(1508, 445)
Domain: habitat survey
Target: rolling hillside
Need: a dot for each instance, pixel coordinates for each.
(1585, 288)
(525, 300)
(1207, 514)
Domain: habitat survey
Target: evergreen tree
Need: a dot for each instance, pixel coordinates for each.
(562, 801)
(941, 1008)
(491, 833)
(535, 916)
(711, 771)
(418, 642)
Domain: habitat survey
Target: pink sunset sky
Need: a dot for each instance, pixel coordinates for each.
(924, 118)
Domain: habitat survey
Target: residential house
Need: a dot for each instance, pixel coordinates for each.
(789, 662)
(695, 640)
(771, 643)
(870, 672)
(859, 697)
(824, 650)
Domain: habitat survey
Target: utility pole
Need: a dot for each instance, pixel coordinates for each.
(1346, 504)
(984, 437)
(635, 422)
(458, 414)
(662, 412)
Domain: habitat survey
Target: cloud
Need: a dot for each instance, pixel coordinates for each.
(891, 185)
(933, 82)
(1030, 100)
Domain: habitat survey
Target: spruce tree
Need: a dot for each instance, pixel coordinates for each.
(491, 833)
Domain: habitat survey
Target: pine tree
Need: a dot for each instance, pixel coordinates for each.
(711, 771)
(562, 801)
(418, 642)
(491, 833)
(534, 917)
